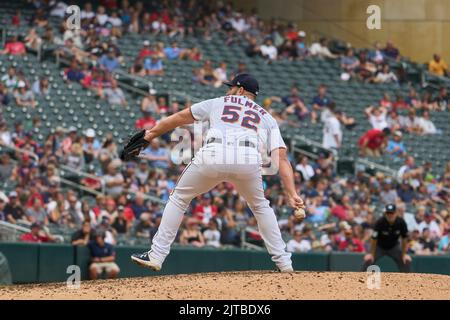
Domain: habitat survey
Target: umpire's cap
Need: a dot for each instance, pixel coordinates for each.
(390, 208)
(246, 81)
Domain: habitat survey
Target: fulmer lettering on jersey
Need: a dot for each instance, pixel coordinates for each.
(245, 103)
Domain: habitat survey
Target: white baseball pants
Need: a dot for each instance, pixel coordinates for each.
(199, 178)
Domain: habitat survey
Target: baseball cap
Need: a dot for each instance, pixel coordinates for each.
(131, 165)
(146, 43)
(302, 33)
(397, 133)
(246, 81)
(13, 194)
(35, 225)
(390, 208)
(72, 129)
(90, 133)
(386, 131)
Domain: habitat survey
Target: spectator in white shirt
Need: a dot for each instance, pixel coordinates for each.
(409, 218)
(394, 121)
(425, 125)
(332, 132)
(238, 23)
(113, 180)
(5, 135)
(75, 35)
(321, 50)
(115, 20)
(377, 117)
(101, 16)
(220, 74)
(268, 50)
(385, 76)
(87, 12)
(410, 123)
(10, 79)
(212, 235)
(305, 168)
(59, 10)
(115, 95)
(298, 244)
(430, 223)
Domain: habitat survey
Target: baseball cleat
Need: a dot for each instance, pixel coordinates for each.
(286, 269)
(145, 260)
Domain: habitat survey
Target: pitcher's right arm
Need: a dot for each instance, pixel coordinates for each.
(287, 177)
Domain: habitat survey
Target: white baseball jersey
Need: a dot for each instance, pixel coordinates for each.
(239, 129)
(234, 120)
(331, 128)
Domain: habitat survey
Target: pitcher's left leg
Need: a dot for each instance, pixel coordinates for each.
(251, 188)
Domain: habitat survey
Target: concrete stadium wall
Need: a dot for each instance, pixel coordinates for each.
(418, 27)
(32, 263)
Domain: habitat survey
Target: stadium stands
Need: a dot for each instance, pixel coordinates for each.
(70, 103)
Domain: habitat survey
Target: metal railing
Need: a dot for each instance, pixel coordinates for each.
(21, 151)
(11, 232)
(308, 142)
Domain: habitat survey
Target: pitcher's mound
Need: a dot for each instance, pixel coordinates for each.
(245, 285)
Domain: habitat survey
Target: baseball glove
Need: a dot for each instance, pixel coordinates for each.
(135, 145)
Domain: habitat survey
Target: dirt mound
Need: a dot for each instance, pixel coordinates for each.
(245, 285)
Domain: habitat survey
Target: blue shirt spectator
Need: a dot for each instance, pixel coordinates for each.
(109, 61)
(158, 156)
(406, 192)
(444, 243)
(100, 251)
(173, 52)
(153, 64)
(321, 101)
(396, 148)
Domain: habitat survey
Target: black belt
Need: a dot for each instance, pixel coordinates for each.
(245, 143)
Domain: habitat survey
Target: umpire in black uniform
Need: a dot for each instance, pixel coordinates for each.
(385, 240)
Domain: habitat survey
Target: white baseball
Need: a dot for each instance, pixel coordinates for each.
(300, 213)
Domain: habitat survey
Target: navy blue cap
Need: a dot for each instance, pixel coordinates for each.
(390, 208)
(246, 81)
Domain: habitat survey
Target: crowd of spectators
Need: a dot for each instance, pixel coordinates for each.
(339, 208)
(342, 210)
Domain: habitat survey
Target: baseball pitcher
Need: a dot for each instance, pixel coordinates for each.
(239, 130)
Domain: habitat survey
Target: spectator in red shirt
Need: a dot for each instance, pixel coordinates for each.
(146, 51)
(350, 243)
(100, 205)
(15, 21)
(205, 211)
(400, 103)
(34, 194)
(386, 101)
(291, 33)
(14, 47)
(146, 122)
(95, 82)
(373, 142)
(37, 235)
(109, 4)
